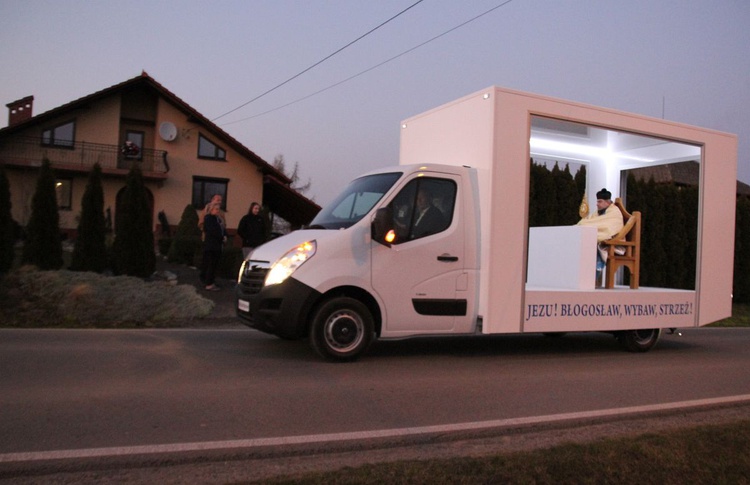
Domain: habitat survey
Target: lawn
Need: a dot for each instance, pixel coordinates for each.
(700, 455)
(740, 317)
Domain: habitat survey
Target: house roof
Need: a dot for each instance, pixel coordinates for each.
(682, 173)
(281, 197)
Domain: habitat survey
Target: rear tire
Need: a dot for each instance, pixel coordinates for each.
(555, 334)
(342, 329)
(638, 340)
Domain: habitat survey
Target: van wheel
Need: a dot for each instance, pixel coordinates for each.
(342, 329)
(555, 334)
(638, 340)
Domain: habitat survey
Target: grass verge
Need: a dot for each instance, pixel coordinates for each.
(707, 454)
(740, 317)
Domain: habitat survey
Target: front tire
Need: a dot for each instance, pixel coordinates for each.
(639, 340)
(342, 329)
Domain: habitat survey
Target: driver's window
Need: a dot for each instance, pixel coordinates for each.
(424, 207)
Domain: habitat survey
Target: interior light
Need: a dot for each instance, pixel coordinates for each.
(564, 147)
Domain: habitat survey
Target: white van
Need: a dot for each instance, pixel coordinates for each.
(368, 267)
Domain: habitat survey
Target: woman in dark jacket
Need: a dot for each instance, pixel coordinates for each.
(252, 229)
(213, 241)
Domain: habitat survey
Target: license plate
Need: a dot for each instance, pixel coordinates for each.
(243, 305)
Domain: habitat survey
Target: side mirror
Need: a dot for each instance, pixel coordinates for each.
(382, 230)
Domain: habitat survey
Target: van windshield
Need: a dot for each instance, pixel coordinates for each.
(355, 201)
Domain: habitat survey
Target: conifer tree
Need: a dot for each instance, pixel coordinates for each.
(653, 252)
(674, 237)
(634, 199)
(133, 249)
(187, 238)
(567, 201)
(7, 236)
(43, 246)
(689, 201)
(545, 196)
(741, 286)
(580, 181)
(533, 197)
(553, 196)
(90, 251)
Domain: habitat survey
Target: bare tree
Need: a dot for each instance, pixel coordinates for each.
(279, 224)
(280, 164)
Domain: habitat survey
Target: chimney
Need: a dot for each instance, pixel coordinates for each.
(19, 111)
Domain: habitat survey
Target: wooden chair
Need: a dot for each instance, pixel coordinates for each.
(629, 240)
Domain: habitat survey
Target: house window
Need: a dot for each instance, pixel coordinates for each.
(133, 147)
(204, 188)
(60, 136)
(208, 149)
(64, 192)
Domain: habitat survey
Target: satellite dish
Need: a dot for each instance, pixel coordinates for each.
(167, 131)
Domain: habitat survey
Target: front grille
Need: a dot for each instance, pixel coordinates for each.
(253, 276)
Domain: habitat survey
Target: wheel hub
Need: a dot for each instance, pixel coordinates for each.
(343, 331)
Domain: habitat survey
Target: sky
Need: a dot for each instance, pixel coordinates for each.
(682, 60)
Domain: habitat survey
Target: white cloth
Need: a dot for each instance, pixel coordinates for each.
(607, 224)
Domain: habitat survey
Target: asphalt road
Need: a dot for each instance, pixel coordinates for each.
(93, 394)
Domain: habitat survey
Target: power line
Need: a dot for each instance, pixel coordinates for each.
(322, 60)
(373, 67)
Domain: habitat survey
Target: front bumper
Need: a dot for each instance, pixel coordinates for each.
(281, 309)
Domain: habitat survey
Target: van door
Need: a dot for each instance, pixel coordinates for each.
(418, 277)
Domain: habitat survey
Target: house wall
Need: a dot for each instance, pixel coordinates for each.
(245, 179)
(101, 122)
(96, 124)
(22, 185)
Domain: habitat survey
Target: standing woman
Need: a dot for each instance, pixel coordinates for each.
(212, 245)
(215, 199)
(252, 229)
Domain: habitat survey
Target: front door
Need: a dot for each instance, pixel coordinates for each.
(419, 275)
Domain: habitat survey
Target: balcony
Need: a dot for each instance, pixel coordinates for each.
(80, 157)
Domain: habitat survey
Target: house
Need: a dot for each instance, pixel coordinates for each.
(682, 174)
(184, 157)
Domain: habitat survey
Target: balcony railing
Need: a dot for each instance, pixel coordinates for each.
(80, 156)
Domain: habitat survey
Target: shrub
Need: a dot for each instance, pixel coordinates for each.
(134, 239)
(90, 251)
(186, 245)
(31, 298)
(7, 229)
(164, 244)
(742, 252)
(43, 246)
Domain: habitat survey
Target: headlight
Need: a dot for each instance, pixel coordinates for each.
(242, 271)
(287, 264)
